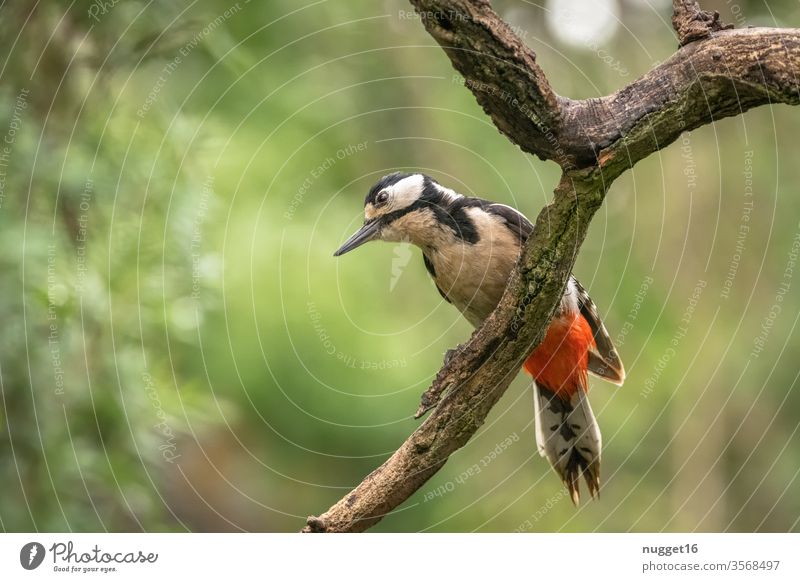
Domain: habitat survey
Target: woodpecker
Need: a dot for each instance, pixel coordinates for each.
(469, 247)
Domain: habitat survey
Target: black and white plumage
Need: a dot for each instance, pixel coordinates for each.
(469, 247)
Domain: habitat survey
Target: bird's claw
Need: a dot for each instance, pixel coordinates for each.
(451, 353)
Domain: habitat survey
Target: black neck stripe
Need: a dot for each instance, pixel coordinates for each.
(448, 213)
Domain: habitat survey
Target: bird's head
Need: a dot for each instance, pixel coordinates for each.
(400, 207)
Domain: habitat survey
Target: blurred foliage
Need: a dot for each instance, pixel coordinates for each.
(181, 351)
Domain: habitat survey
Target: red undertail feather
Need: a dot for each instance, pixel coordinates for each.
(566, 430)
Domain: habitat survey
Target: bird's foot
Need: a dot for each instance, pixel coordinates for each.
(452, 353)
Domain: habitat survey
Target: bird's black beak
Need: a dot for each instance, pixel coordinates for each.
(365, 234)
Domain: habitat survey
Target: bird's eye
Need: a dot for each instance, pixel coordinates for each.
(382, 197)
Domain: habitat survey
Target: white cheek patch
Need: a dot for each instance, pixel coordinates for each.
(406, 192)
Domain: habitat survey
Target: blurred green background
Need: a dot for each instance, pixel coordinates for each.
(180, 351)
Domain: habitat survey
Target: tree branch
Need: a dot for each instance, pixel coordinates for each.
(500, 70)
(724, 73)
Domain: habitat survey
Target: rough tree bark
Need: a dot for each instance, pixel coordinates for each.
(716, 72)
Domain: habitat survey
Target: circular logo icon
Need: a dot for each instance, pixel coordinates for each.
(31, 555)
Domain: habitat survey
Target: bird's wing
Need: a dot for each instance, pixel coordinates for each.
(604, 360)
(514, 220)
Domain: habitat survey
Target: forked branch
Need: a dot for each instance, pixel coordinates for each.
(716, 73)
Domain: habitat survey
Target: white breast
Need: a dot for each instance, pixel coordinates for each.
(474, 276)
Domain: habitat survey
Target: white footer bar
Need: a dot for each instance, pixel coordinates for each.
(451, 557)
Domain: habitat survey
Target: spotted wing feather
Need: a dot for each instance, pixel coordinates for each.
(604, 361)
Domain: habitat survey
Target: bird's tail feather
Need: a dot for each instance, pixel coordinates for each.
(568, 435)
